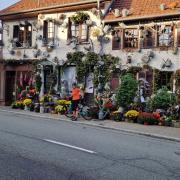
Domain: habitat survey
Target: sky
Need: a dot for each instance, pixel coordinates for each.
(6, 3)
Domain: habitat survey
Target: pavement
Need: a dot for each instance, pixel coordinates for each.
(162, 132)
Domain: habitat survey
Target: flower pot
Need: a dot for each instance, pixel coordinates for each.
(100, 115)
(25, 107)
(41, 109)
(146, 123)
(176, 123)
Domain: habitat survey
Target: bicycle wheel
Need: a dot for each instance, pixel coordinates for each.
(68, 112)
(86, 113)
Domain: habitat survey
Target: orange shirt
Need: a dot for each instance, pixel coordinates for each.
(75, 93)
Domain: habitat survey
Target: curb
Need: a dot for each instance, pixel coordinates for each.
(100, 126)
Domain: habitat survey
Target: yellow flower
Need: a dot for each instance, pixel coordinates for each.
(131, 113)
(59, 108)
(27, 102)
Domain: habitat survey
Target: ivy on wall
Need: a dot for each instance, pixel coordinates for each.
(88, 63)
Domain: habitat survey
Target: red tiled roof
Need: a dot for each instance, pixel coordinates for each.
(143, 8)
(24, 5)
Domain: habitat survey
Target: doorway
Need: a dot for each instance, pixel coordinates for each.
(9, 87)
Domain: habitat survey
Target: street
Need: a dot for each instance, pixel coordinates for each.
(42, 149)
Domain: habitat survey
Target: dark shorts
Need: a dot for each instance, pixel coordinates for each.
(75, 104)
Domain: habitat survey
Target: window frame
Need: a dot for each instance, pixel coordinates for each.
(136, 37)
(24, 36)
(76, 30)
(48, 31)
(163, 34)
(151, 39)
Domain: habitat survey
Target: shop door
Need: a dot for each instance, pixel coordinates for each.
(9, 87)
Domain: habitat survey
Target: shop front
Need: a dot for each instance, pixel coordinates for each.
(14, 78)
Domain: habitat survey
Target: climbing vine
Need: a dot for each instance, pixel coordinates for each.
(88, 63)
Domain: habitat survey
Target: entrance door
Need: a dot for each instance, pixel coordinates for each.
(10, 87)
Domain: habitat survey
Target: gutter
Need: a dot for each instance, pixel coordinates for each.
(51, 7)
(141, 18)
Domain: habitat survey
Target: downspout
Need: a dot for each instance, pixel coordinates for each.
(108, 7)
(98, 4)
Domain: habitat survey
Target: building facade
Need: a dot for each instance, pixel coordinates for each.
(144, 34)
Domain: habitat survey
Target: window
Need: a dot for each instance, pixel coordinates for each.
(48, 31)
(80, 31)
(22, 35)
(131, 38)
(116, 40)
(165, 79)
(165, 36)
(148, 37)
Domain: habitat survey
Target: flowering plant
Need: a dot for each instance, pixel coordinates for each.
(17, 104)
(27, 102)
(63, 102)
(149, 118)
(60, 109)
(45, 98)
(132, 114)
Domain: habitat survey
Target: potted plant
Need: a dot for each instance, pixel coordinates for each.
(60, 109)
(27, 103)
(132, 115)
(126, 91)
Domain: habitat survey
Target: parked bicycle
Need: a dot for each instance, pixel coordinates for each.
(84, 111)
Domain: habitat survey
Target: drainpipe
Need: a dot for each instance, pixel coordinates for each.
(98, 4)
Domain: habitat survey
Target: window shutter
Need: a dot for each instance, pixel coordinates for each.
(16, 32)
(178, 36)
(73, 31)
(29, 35)
(116, 40)
(69, 32)
(45, 31)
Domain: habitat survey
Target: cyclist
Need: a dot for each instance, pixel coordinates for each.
(75, 100)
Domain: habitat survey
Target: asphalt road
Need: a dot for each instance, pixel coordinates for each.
(42, 149)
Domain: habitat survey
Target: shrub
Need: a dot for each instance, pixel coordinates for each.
(163, 99)
(127, 90)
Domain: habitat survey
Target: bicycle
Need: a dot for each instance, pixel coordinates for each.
(83, 110)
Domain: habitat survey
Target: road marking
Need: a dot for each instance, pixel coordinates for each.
(70, 146)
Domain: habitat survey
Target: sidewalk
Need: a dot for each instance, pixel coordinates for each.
(162, 132)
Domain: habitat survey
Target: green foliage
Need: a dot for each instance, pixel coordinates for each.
(38, 82)
(127, 90)
(86, 63)
(79, 17)
(76, 58)
(163, 99)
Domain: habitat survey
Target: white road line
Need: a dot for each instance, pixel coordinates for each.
(70, 146)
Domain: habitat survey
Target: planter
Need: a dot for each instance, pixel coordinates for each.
(176, 123)
(25, 107)
(101, 115)
(41, 109)
(146, 123)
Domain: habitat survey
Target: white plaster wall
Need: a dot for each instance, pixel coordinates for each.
(62, 48)
(61, 40)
